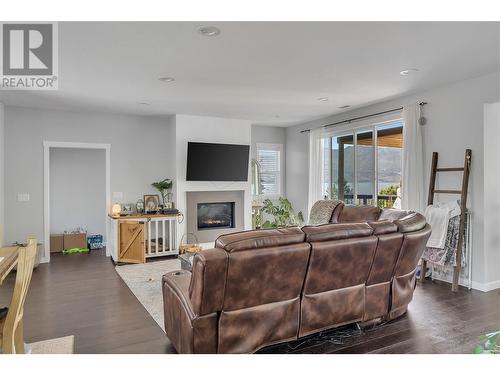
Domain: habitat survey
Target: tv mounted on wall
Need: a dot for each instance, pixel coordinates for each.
(217, 162)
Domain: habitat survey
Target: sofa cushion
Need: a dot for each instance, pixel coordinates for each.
(322, 211)
(356, 214)
(411, 223)
(256, 239)
(332, 232)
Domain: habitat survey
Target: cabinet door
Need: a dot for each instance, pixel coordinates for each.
(131, 242)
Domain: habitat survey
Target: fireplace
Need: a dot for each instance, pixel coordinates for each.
(210, 214)
(215, 215)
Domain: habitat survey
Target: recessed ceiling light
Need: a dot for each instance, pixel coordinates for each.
(323, 99)
(407, 72)
(209, 31)
(344, 106)
(166, 79)
(143, 103)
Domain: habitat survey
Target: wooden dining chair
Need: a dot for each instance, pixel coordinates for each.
(11, 327)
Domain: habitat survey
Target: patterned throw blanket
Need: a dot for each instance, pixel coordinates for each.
(447, 255)
(321, 211)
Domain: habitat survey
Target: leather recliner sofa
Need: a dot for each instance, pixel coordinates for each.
(263, 287)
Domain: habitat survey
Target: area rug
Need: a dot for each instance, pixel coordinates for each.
(60, 345)
(144, 280)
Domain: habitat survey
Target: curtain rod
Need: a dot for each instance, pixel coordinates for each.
(362, 117)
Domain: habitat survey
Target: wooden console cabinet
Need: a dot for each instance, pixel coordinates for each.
(137, 237)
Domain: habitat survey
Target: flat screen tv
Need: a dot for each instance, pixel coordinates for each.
(217, 162)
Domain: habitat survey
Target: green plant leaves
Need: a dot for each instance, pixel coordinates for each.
(491, 344)
(163, 186)
(478, 349)
(282, 214)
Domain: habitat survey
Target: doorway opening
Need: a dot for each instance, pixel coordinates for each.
(76, 193)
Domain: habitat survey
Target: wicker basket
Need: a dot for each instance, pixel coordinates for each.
(185, 247)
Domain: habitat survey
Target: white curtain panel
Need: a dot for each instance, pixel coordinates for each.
(413, 186)
(315, 167)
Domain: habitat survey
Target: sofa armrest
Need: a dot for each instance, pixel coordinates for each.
(411, 223)
(176, 284)
(188, 331)
(332, 232)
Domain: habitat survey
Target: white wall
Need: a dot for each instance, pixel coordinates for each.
(455, 122)
(77, 190)
(492, 192)
(210, 130)
(2, 179)
(139, 156)
(271, 134)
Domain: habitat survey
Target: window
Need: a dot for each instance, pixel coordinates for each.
(269, 157)
(364, 165)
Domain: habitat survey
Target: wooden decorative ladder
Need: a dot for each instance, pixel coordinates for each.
(463, 206)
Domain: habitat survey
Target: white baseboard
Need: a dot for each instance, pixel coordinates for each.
(482, 287)
(486, 287)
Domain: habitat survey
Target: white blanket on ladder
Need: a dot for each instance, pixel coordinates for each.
(438, 217)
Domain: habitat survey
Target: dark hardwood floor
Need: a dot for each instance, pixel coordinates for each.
(82, 295)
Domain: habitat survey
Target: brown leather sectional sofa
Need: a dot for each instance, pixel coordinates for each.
(263, 287)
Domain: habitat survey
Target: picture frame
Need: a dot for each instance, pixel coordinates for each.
(139, 206)
(151, 203)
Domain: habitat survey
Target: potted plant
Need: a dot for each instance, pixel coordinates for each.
(282, 214)
(490, 344)
(163, 187)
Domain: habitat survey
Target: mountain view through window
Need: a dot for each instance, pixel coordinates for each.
(365, 165)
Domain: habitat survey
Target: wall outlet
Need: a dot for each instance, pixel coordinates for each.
(23, 197)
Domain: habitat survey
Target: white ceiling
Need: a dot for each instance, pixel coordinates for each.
(270, 73)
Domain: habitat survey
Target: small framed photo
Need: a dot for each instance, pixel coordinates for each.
(127, 209)
(151, 203)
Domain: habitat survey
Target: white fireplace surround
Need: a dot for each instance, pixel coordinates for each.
(211, 187)
(210, 235)
(209, 130)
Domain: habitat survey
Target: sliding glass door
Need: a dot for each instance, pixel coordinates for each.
(343, 167)
(389, 163)
(363, 166)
